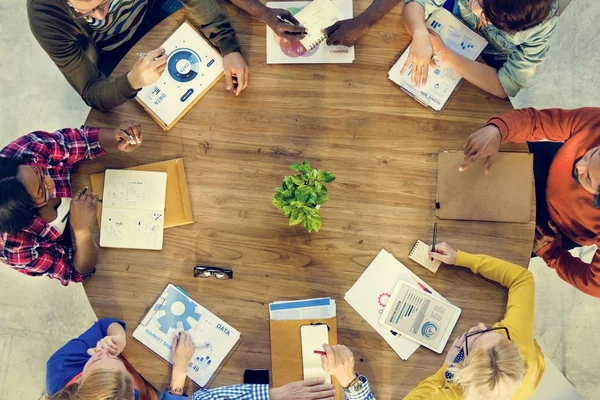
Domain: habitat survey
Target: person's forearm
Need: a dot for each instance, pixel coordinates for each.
(86, 252)
(481, 75)
(177, 378)
(115, 329)
(376, 11)
(413, 16)
(252, 7)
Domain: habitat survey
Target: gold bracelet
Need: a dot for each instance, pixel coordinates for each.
(176, 391)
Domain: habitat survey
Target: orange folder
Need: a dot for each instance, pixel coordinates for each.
(286, 350)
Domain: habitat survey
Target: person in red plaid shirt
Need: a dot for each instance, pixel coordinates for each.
(35, 200)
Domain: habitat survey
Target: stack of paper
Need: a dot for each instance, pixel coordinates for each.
(283, 51)
(441, 80)
(302, 309)
(369, 295)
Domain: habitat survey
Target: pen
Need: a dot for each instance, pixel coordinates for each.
(145, 54)
(321, 352)
(285, 21)
(69, 212)
(434, 236)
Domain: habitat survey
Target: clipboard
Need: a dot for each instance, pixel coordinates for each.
(286, 350)
(178, 208)
(504, 195)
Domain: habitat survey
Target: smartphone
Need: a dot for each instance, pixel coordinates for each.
(313, 337)
(256, 376)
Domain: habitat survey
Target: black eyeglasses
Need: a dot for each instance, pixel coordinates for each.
(467, 336)
(201, 271)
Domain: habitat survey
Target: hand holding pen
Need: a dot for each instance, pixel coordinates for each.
(129, 136)
(148, 69)
(83, 210)
(283, 24)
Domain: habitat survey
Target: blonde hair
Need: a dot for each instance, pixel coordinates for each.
(102, 384)
(493, 374)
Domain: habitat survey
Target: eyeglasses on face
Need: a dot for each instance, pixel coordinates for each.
(43, 192)
(201, 271)
(86, 14)
(479, 333)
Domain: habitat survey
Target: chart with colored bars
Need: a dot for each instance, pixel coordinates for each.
(283, 51)
(175, 311)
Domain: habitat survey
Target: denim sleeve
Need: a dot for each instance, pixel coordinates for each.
(522, 62)
(428, 5)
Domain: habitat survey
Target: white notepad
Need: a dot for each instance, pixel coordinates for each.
(441, 80)
(313, 337)
(315, 17)
(133, 209)
(420, 255)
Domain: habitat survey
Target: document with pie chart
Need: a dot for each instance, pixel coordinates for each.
(283, 51)
(193, 67)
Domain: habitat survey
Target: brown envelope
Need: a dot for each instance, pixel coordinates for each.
(286, 351)
(178, 209)
(504, 194)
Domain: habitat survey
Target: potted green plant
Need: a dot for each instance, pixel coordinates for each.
(300, 196)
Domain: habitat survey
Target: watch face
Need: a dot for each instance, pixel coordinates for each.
(356, 386)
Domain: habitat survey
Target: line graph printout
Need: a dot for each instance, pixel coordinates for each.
(133, 209)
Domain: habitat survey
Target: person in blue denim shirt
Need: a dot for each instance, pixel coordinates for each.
(90, 367)
(518, 33)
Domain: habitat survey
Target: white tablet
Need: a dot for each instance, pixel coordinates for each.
(419, 316)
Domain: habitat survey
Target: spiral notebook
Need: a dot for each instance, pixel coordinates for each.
(420, 255)
(315, 17)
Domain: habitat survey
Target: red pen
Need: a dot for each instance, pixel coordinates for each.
(321, 352)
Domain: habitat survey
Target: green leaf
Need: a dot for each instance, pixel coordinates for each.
(307, 224)
(318, 187)
(322, 198)
(312, 198)
(303, 192)
(298, 180)
(287, 210)
(328, 176)
(295, 167)
(316, 222)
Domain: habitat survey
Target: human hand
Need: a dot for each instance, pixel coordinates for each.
(182, 351)
(129, 136)
(484, 142)
(83, 211)
(339, 362)
(439, 47)
(444, 253)
(345, 32)
(236, 72)
(114, 344)
(459, 343)
(421, 51)
(308, 389)
(544, 236)
(273, 16)
(148, 69)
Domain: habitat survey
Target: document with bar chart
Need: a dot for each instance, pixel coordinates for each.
(419, 316)
(441, 80)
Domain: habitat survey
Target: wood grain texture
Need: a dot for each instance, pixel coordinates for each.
(349, 119)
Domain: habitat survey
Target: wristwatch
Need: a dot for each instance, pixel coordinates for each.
(355, 386)
(176, 391)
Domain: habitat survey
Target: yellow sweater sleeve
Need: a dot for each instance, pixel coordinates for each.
(434, 388)
(519, 315)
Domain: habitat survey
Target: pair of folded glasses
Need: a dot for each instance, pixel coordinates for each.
(201, 271)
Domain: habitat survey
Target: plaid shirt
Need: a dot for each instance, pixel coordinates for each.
(257, 392)
(38, 249)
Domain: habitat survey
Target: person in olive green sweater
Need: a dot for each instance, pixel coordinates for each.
(87, 38)
(494, 363)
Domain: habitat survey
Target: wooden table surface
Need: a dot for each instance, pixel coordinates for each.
(349, 119)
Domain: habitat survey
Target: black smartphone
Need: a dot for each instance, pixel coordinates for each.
(256, 376)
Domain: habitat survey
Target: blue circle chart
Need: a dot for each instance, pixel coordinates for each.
(183, 65)
(429, 330)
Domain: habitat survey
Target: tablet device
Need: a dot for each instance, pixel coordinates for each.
(419, 316)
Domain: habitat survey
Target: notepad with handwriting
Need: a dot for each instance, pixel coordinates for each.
(315, 17)
(133, 209)
(420, 255)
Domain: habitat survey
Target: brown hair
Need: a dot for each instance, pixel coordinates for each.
(495, 373)
(517, 15)
(102, 384)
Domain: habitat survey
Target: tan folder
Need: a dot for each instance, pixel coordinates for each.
(503, 195)
(286, 350)
(178, 209)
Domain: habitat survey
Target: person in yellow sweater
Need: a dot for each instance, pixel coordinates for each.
(500, 362)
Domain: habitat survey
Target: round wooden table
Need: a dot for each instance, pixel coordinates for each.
(349, 119)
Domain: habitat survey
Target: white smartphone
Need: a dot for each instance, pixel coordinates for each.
(313, 337)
